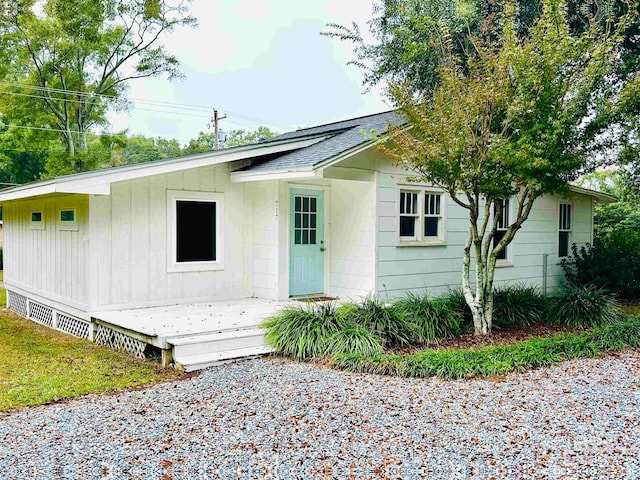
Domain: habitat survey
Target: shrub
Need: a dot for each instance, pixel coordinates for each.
(303, 331)
(613, 263)
(430, 319)
(386, 323)
(583, 306)
(498, 359)
(354, 339)
(517, 305)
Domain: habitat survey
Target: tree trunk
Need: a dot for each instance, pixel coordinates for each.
(481, 301)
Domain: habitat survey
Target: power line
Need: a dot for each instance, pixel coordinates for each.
(71, 100)
(182, 106)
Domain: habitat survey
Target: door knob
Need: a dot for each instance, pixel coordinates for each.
(322, 249)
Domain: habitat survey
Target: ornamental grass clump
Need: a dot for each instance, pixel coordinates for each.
(517, 305)
(303, 331)
(583, 306)
(454, 298)
(430, 319)
(354, 339)
(386, 322)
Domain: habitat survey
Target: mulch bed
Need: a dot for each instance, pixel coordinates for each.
(498, 336)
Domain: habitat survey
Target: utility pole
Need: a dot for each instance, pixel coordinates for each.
(216, 119)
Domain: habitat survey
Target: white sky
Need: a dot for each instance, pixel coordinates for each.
(263, 59)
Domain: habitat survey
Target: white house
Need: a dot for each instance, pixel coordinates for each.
(317, 211)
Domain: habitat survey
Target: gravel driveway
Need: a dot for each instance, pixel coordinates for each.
(278, 419)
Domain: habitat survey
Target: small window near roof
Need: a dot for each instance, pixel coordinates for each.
(37, 220)
(67, 219)
(67, 215)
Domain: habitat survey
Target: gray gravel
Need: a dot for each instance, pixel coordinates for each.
(272, 418)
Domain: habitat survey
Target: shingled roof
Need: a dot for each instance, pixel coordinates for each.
(342, 137)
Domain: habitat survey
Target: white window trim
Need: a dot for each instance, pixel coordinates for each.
(572, 211)
(508, 261)
(420, 240)
(173, 196)
(71, 226)
(33, 225)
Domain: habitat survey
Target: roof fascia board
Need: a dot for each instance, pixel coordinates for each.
(600, 196)
(306, 173)
(99, 181)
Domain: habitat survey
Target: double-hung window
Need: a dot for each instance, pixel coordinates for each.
(195, 222)
(421, 217)
(564, 229)
(501, 212)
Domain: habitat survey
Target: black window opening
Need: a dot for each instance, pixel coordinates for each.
(563, 244)
(195, 231)
(501, 211)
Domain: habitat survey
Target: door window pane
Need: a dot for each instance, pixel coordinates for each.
(305, 220)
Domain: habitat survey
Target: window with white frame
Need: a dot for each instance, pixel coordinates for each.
(421, 216)
(564, 229)
(67, 219)
(37, 220)
(195, 231)
(501, 212)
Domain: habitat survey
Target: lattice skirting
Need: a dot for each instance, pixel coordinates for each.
(119, 341)
(48, 316)
(17, 303)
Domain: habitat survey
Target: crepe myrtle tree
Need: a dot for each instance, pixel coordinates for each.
(519, 120)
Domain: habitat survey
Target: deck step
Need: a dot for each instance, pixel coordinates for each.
(194, 352)
(198, 362)
(215, 335)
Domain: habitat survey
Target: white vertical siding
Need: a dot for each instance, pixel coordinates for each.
(264, 238)
(130, 246)
(352, 243)
(51, 262)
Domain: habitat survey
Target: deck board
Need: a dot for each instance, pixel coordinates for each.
(195, 318)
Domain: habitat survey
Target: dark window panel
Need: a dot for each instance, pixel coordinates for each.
(196, 231)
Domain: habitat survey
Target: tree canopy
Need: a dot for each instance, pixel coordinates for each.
(406, 45)
(72, 59)
(517, 117)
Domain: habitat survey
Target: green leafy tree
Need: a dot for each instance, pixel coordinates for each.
(23, 153)
(517, 119)
(404, 42)
(72, 60)
(235, 138)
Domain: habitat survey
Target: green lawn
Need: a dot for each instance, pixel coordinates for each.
(40, 365)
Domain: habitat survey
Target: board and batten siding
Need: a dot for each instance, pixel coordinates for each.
(130, 242)
(437, 268)
(51, 261)
(352, 241)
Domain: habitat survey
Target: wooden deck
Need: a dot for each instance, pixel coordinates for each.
(194, 335)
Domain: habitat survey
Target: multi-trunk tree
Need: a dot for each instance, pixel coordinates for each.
(518, 117)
